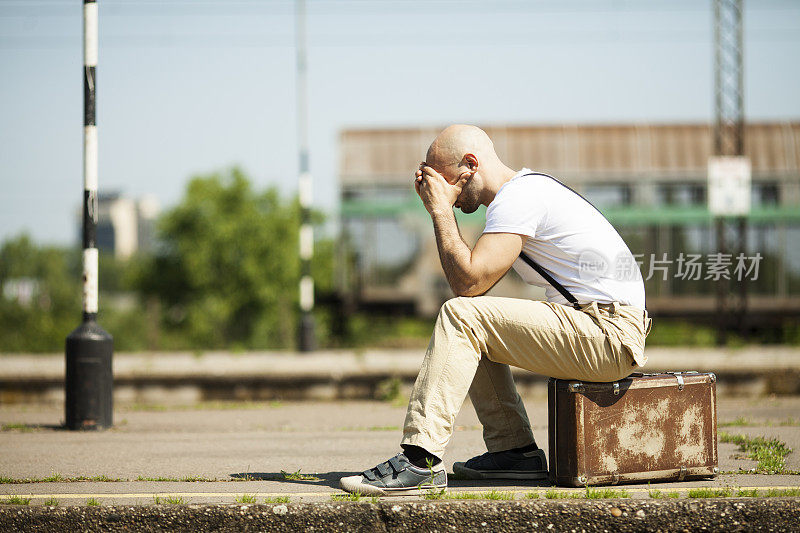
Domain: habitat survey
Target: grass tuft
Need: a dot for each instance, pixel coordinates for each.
(246, 498)
(711, 493)
(770, 453)
(532, 496)
(658, 495)
(747, 493)
(297, 476)
(740, 421)
(51, 502)
(347, 497)
(464, 495)
(277, 499)
(22, 428)
(601, 494)
(191, 479)
(391, 391)
(434, 494)
(93, 502)
(499, 495)
(783, 493)
(17, 500)
(175, 500)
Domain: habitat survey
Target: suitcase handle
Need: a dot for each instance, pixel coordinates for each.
(678, 376)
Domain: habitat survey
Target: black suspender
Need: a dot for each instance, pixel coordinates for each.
(559, 287)
(541, 271)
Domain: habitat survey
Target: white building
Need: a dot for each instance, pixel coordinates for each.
(125, 225)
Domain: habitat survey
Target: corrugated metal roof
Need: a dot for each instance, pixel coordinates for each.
(578, 153)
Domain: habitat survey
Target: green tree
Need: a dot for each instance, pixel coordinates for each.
(40, 296)
(226, 269)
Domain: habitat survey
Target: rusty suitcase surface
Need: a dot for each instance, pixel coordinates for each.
(644, 427)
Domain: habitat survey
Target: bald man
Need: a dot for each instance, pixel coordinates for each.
(592, 326)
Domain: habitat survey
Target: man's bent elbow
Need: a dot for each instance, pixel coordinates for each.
(468, 290)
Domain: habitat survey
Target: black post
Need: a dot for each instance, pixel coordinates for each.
(728, 141)
(89, 379)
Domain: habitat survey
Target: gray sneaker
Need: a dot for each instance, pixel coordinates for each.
(504, 465)
(396, 477)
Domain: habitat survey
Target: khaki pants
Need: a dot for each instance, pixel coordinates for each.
(476, 339)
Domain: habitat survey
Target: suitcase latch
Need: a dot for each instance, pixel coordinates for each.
(615, 386)
(576, 387)
(679, 377)
(682, 473)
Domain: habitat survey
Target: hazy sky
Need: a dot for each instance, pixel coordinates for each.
(191, 86)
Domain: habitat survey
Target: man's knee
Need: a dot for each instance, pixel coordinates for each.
(461, 308)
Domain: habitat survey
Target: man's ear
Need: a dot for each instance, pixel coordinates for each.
(471, 162)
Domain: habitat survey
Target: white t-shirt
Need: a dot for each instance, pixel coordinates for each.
(568, 238)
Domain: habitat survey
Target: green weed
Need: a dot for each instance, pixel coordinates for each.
(434, 494)
(175, 500)
(727, 492)
(499, 495)
(297, 476)
(741, 421)
(390, 391)
(277, 499)
(246, 498)
(562, 495)
(600, 494)
(93, 502)
(532, 496)
(192, 479)
(348, 497)
(747, 493)
(783, 493)
(55, 478)
(17, 500)
(51, 502)
(770, 453)
(22, 428)
(464, 495)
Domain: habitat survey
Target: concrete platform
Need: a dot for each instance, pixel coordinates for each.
(240, 457)
(184, 377)
(236, 449)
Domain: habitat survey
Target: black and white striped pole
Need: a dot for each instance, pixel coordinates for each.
(306, 340)
(89, 379)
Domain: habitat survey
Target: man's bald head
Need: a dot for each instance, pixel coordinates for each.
(456, 141)
(465, 154)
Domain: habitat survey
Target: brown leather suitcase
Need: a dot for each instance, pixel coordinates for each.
(646, 427)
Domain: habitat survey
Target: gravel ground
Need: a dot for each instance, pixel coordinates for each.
(712, 515)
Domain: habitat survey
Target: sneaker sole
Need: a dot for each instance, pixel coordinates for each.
(355, 484)
(468, 473)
